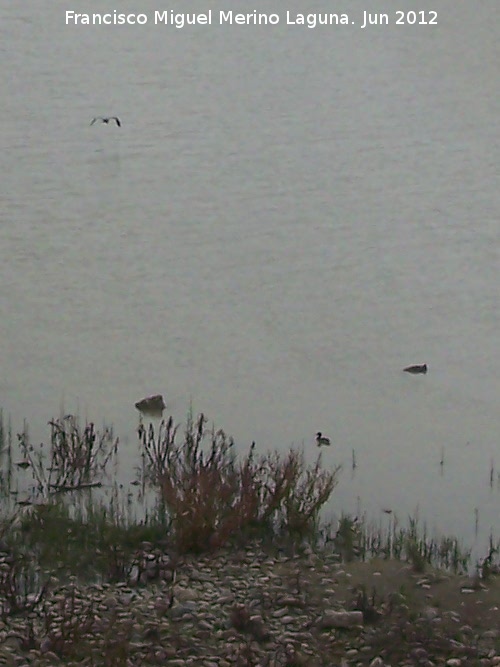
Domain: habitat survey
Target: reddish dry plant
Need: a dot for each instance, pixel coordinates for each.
(210, 497)
(74, 629)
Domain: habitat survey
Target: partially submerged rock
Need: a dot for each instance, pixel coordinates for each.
(151, 405)
(418, 368)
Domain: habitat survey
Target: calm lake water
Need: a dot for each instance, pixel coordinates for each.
(286, 218)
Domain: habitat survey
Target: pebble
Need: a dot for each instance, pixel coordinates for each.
(287, 619)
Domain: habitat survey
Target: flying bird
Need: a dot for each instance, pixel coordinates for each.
(321, 440)
(416, 369)
(107, 119)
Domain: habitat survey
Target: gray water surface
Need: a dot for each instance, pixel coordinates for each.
(286, 218)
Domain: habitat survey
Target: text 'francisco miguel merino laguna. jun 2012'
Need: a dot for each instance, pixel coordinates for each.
(229, 17)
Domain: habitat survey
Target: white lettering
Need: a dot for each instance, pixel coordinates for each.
(169, 17)
(115, 18)
(313, 20)
(248, 19)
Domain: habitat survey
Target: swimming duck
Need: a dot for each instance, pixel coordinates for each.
(321, 440)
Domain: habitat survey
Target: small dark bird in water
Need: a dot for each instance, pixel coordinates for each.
(106, 120)
(416, 369)
(321, 441)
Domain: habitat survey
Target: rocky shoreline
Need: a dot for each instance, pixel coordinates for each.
(254, 607)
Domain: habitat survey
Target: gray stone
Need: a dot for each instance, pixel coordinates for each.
(340, 619)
